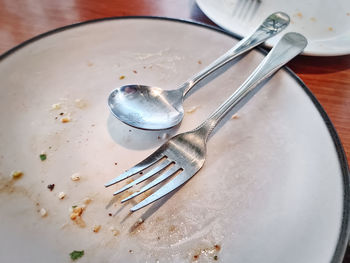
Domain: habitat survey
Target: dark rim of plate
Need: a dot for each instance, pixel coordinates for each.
(344, 231)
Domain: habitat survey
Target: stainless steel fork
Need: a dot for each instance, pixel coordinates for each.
(184, 154)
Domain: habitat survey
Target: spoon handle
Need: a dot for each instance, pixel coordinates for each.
(290, 45)
(271, 26)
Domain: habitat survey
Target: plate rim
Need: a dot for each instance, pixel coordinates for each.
(344, 233)
(304, 53)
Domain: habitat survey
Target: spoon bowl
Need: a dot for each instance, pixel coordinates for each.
(152, 108)
(146, 107)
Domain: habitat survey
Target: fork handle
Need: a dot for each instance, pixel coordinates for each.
(271, 26)
(289, 46)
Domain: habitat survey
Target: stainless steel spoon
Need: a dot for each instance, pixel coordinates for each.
(152, 108)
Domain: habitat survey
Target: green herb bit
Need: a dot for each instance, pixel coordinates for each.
(74, 206)
(215, 257)
(76, 254)
(42, 156)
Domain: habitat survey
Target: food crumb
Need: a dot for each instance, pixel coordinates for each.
(130, 251)
(122, 77)
(77, 212)
(234, 117)
(90, 64)
(217, 247)
(65, 119)
(330, 28)
(192, 109)
(114, 231)
(43, 212)
(313, 19)
(172, 228)
(137, 227)
(110, 214)
(61, 195)
(16, 174)
(199, 62)
(75, 177)
(134, 71)
(56, 106)
(348, 14)
(51, 186)
(300, 15)
(87, 200)
(96, 228)
(115, 163)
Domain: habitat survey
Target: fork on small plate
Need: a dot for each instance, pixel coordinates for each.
(182, 156)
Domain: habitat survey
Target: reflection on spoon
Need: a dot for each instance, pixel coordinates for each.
(152, 108)
(136, 139)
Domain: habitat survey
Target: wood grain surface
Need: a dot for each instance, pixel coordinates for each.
(327, 77)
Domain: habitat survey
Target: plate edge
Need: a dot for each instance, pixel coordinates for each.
(345, 224)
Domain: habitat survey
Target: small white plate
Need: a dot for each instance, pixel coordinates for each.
(273, 188)
(325, 24)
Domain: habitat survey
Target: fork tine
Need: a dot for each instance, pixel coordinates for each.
(179, 180)
(154, 171)
(152, 159)
(156, 181)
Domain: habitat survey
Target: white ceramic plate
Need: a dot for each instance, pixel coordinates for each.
(326, 25)
(273, 188)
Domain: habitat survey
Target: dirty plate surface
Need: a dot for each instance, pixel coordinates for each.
(272, 189)
(326, 26)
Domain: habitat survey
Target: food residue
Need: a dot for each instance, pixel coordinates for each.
(65, 119)
(234, 117)
(313, 19)
(87, 200)
(96, 228)
(134, 71)
(51, 186)
(74, 255)
(43, 212)
(56, 106)
(192, 109)
(300, 15)
(330, 28)
(77, 212)
(16, 174)
(43, 156)
(114, 231)
(61, 195)
(75, 177)
(208, 252)
(122, 77)
(199, 62)
(137, 227)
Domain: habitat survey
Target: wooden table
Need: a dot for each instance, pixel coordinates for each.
(327, 77)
